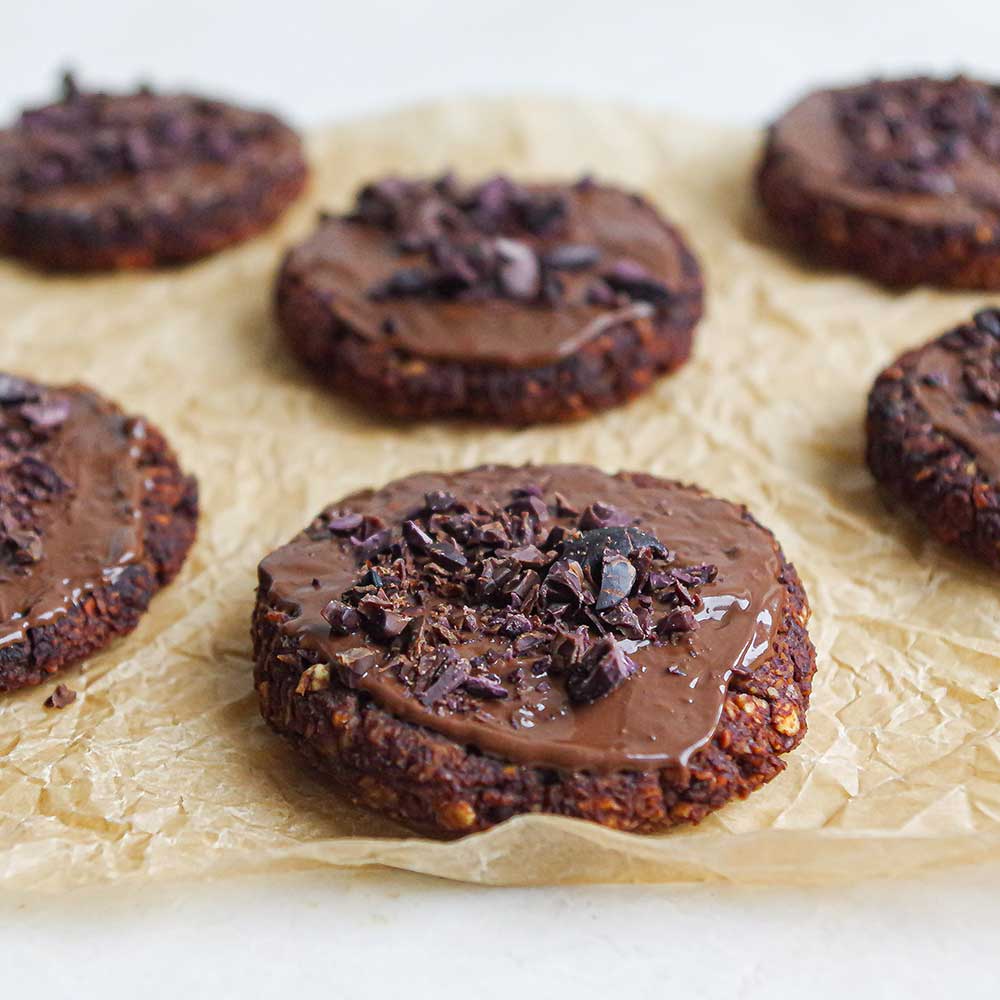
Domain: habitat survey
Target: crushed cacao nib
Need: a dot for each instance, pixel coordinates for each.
(604, 667)
(90, 136)
(632, 280)
(536, 600)
(907, 135)
(497, 240)
(29, 416)
(17, 390)
(988, 320)
(60, 697)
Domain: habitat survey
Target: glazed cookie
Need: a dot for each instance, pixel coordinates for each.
(95, 517)
(453, 650)
(506, 303)
(897, 179)
(99, 181)
(934, 434)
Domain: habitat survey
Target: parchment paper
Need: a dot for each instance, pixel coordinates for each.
(163, 766)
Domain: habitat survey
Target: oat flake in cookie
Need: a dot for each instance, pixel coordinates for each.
(95, 517)
(934, 434)
(456, 649)
(897, 179)
(102, 181)
(498, 301)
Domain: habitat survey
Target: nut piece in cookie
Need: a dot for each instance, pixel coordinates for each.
(103, 181)
(500, 301)
(457, 649)
(934, 434)
(897, 179)
(95, 517)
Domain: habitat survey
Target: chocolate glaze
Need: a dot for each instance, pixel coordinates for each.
(659, 716)
(938, 384)
(88, 533)
(816, 140)
(346, 257)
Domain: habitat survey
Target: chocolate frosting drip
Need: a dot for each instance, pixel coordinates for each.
(546, 271)
(920, 149)
(957, 382)
(70, 495)
(519, 702)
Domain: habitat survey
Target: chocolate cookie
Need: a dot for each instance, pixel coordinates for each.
(898, 179)
(507, 303)
(95, 517)
(457, 649)
(99, 181)
(934, 434)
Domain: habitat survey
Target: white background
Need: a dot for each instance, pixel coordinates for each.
(395, 935)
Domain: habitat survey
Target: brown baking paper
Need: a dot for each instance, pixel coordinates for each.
(163, 767)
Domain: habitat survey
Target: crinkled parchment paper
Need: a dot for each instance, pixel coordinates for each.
(163, 767)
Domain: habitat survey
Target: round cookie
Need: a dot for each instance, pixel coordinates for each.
(98, 181)
(95, 517)
(457, 649)
(934, 434)
(897, 179)
(501, 302)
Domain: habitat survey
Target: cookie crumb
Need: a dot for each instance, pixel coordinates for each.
(61, 697)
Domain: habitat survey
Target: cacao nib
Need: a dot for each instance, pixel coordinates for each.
(571, 257)
(342, 618)
(485, 686)
(450, 677)
(345, 524)
(438, 501)
(603, 668)
(679, 620)
(47, 412)
(604, 515)
(985, 319)
(17, 390)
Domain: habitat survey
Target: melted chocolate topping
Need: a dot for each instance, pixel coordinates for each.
(498, 273)
(921, 149)
(957, 382)
(554, 616)
(70, 495)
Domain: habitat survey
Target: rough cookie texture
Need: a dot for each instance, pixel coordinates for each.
(897, 179)
(448, 710)
(934, 434)
(499, 301)
(100, 181)
(95, 517)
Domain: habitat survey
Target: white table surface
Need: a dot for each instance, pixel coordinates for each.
(396, 935)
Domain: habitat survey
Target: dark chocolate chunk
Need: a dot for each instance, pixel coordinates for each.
(589, 547)
(617, 579)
